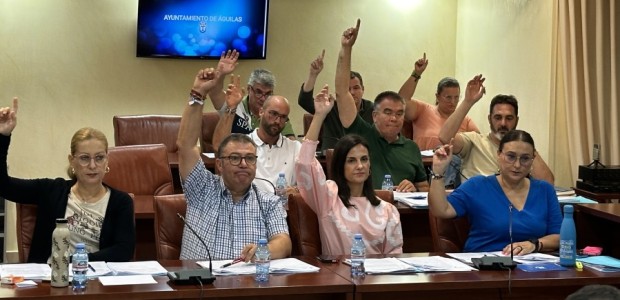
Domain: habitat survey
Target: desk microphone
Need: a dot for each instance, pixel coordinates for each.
(497, 262)
(189, 276)
(275, 191)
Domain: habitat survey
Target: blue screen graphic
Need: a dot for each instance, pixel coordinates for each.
(202, 28)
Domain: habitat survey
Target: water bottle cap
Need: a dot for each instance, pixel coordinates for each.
(568, 209)
(281, 174)
(358, 236)
(79, 246)
(61, 221)
(262, 241)
(388, 176)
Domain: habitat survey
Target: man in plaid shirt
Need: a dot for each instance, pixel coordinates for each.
(228, 212)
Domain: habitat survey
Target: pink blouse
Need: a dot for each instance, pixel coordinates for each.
(379, 225)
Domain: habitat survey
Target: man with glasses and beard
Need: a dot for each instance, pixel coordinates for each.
(228, 212)
(276, 153)
(260, 87)
(479, 151)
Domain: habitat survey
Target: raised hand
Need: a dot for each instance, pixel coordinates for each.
(228, 62)
(442, 158)
(323, 102)
(420, 65)
(475, 89)
(8, 118)
(350, 35)
(234, 92)
(317, 65)
(205, 80)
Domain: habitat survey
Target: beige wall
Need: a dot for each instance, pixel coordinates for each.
(73, 62)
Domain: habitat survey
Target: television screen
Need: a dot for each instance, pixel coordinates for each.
(202, 28)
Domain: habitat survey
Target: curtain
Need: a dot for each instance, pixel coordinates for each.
(585, 109)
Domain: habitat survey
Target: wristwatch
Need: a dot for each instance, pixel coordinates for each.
(435, 175)
(536, 244)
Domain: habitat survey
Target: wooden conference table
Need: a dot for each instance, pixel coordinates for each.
(333, 282)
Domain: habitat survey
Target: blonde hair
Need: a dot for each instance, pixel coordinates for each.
(84, 134)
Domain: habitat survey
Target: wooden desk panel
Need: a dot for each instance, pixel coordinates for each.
(416, 229)
(322, 285)
(475, 284)
(599, 225)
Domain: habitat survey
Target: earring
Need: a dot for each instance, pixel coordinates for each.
(72, 170)
(107, 169)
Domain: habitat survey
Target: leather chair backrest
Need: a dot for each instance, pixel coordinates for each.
(448, 235)
(147, 129)
(168, 226)
(407, 130)
(329, 154)
(26, 220)
(142, 170)
(209, 121)
(303, 224)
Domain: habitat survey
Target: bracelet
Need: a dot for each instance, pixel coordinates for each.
(195, 93)
(436, 176)
(193, 99)
(416, 76)
(231, 111)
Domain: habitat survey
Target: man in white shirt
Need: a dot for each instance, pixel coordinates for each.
(276, 153)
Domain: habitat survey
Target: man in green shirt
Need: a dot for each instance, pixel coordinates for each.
(390, 153)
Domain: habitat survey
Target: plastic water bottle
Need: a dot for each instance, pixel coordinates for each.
(568, 238)
(262, 261)
(358, 255)
(281, 189)
(80, 268)
(387, 184)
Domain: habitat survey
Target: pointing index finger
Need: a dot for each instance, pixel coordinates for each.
(15, 104)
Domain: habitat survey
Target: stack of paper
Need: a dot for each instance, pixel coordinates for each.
(414, 200)
(601, 263)
(137, 268)
(277, 266)
(392, 265)
(28, 271)
(529, 259)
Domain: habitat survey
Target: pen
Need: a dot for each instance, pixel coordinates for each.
(237, 260)
(91, 268)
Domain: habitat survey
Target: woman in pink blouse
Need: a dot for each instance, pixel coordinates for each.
(347, 204)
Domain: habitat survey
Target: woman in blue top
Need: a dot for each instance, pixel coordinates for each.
(497, 202)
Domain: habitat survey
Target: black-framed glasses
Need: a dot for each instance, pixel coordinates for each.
(390, 113)
(85, 159)
(524, 160)
(235, 160)
(260, 93)
(274, 115)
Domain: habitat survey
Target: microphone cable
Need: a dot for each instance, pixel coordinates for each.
(275, 191)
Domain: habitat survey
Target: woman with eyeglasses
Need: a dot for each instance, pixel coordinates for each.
(501, 205)
(99, 216)
(347, 204)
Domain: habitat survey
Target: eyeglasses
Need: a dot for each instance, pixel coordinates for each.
(390, 113)
(235, 160)
(524, 160)
(84, 160)
(274, 115)
(259, 93)
(449, 98)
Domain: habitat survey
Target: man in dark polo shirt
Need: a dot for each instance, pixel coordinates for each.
(332, 129)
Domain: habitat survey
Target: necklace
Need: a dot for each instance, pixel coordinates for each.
(92, 199)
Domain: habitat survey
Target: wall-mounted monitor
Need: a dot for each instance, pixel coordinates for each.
(202, 29)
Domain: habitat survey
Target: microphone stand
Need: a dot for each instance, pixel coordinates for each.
(200, 275)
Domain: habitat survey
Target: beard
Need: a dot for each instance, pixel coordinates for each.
(500, 132)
